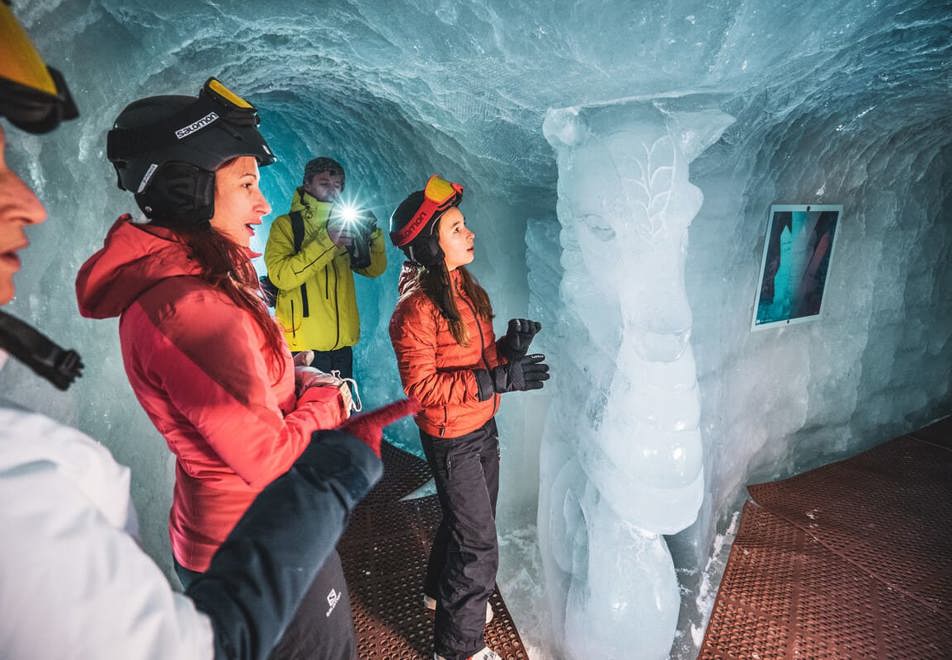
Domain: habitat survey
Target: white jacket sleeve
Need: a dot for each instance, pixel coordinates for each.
(74, 582)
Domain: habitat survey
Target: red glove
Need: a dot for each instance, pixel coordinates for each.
(368, 427)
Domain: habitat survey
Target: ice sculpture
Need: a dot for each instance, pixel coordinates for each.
(622, 458)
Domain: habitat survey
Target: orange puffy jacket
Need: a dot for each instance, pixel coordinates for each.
(437, 371)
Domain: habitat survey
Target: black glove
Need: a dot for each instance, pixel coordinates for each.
(359, 248)
(369, 220)
(518, 337)
(529, 373)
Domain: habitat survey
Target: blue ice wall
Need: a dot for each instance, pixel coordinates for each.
(835, 102)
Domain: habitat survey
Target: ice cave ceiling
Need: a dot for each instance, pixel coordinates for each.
(398, 88)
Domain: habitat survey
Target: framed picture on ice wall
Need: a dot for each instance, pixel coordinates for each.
(793, 273)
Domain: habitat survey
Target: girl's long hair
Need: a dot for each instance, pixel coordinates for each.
(226, 266)
(435, 282)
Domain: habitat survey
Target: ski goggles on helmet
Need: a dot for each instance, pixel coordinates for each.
(33, 96)
(438, 196)
(237, 108)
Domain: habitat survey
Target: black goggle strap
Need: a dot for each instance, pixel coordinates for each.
(15, 94)
(68, 109)
(37, 351)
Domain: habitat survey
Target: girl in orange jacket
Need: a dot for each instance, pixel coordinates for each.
(449, 360)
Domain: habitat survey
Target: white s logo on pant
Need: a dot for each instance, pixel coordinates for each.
(332, 598)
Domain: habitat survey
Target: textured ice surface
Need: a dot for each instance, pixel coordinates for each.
(835, 102)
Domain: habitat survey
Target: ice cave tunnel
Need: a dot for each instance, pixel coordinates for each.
(621, 160)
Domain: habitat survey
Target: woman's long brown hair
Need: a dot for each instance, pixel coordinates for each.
(226, 266)
(435, 282)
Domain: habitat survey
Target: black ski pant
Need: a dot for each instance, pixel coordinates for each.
(341, 359)
(278, 572)
(322, 627)
(461, 573)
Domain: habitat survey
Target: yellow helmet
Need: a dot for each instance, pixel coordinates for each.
(33, 96)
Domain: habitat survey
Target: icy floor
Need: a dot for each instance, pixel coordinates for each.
(520, 583)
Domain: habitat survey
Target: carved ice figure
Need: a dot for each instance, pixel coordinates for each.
(622, 461)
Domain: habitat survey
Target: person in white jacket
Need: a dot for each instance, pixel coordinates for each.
(74, 582)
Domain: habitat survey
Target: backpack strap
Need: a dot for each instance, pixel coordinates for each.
(297, 231)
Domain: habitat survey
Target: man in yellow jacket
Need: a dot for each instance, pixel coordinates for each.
(312, 254)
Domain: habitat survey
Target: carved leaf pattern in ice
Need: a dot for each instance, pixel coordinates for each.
(656, 180)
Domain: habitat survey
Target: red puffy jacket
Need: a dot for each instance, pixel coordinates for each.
(437, 371)
(200, 368)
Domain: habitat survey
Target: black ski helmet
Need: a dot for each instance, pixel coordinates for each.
(425, 248)
(166, 149)
(413, 224)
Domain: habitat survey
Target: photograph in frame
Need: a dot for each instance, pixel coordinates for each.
(798, 250)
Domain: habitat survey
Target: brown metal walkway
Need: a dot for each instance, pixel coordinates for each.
(851, 560)
(384, 552)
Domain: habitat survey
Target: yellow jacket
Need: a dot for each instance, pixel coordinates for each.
(324, 269)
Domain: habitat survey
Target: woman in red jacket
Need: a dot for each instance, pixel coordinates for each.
(450, 361)
(202, 354)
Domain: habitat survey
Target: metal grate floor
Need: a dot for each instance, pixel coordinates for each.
(384, 552)
(852, 560)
